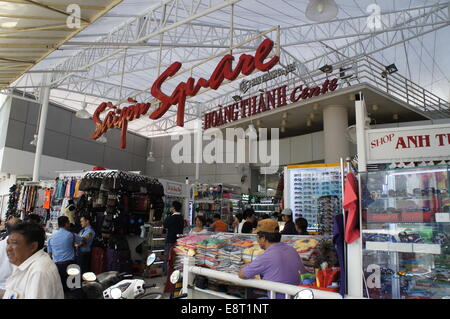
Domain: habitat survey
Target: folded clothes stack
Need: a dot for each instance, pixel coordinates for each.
(230, 258)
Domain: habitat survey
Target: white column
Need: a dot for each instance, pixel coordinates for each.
(335, 123)
(354, 250)
(44, 98)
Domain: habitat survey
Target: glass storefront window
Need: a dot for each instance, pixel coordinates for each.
(406, 232)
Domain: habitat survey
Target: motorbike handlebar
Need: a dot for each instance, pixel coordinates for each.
(180, 296)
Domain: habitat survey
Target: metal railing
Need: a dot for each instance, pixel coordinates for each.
(365, 71)
(189, 272)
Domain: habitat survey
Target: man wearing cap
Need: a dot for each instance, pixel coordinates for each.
(280, 262)
(289, 226)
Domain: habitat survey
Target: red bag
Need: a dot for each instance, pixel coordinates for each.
(98, 260)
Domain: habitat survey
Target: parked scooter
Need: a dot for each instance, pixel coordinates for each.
(137, 288)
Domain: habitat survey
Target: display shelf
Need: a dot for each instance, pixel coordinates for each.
(219, 198)
(412, 235)
(404, 247)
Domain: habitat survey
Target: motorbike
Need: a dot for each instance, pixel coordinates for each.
(137, 288)
(114, 285)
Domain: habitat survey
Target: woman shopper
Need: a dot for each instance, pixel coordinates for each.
(200, 223)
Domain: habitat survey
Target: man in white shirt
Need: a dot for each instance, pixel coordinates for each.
(6, 268)
(35, 276)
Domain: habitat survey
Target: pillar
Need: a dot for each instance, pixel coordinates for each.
(335, 123)
(44, 97)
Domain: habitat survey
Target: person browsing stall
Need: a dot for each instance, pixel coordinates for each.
(35, 275)
(218, 224)
(279, 262)
(175, 226)
(249, 217)
(61, 248)
(85, 238)
(301, 225)
(289, 226)
(200, 223)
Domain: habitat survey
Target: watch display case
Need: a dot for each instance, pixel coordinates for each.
(406, 232)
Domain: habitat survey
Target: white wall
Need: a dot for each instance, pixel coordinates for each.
(18, 162)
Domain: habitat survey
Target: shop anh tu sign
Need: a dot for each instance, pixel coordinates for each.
(405, 143)
(119, 118)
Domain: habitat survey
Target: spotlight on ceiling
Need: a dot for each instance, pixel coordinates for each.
(309, 123)
(391, 68)
(283, 129)
(150, 157)
(321, 10)
(237, 98)
(83, 114)
(326, 69)
(395, 116)
(34, 141)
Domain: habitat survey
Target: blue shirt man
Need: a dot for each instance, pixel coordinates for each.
(61, 248)
(85, 237)
(61, 244)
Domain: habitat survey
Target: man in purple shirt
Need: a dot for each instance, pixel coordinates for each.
(279, 263)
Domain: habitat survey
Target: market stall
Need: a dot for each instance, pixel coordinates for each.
(228, 252)
(406, 213)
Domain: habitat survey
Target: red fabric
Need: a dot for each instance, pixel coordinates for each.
(351, 208)
(98, 168)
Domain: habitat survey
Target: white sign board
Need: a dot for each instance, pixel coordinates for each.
(408, 143)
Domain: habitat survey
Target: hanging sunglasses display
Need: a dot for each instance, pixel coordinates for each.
(310, 183)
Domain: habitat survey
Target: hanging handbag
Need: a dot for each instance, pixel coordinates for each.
(84, 184)
(108, 182)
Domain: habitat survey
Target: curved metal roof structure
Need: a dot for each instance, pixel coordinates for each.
(122, 53)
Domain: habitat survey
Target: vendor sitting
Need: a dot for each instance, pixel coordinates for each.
(280, 262)
(200, 223)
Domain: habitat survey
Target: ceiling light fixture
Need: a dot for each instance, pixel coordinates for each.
(326, 69)
(150, 157)
(311, 116)
(309, 123)
(102, 139)
(321, 10)
(34, 141)
(83, 114)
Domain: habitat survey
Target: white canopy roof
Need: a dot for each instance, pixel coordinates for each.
(124, 51)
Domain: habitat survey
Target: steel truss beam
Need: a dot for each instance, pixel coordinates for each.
(406, 27)
(431, 15)
(160, 19)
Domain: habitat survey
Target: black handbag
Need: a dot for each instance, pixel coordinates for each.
(108, 182)
(84, 184)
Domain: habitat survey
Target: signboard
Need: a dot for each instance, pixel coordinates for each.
(263, 102)
(408, 143)
(119, 117)
(174, 189)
